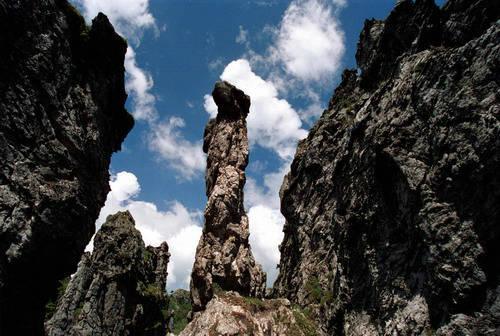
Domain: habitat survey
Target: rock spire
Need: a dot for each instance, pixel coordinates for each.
(223, 256)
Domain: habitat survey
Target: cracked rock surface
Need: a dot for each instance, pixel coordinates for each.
(62, 115)
(223, 257)
(118, 289)
(392, 203)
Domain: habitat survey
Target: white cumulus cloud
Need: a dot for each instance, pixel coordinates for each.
(177, 225)
(310, 42)
(186, 157)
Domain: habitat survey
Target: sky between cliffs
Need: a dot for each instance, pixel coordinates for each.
(286, 55)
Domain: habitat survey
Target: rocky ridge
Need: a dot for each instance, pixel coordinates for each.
(391, 204)
(118, 289)
(223, 256)
(62, 100)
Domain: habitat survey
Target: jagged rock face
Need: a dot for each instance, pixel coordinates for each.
(62, 115)
(119, 289)
(223, 256)
(231, 314)
(391, 204)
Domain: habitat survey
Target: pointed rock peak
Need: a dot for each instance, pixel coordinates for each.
(119, 289)
(223, 257)
(120, 219)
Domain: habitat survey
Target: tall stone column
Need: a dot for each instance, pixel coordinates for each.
(223, 256)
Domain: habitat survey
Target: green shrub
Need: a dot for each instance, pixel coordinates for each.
(317, 293)
(180, 304)
(51, 306)
(306, 325)
(314, 290)
(254, 303)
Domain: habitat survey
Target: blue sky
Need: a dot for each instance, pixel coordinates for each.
(288, 55)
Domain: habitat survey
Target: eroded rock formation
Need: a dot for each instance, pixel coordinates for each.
(228, 314)
(118, 289)
(391, 205)
(223, 256)
(62, 115)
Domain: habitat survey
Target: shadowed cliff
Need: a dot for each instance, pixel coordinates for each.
(62, 116)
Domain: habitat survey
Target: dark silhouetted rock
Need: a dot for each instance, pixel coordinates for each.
(223, 257)
(392, 203)
(119, 289)
(62, 115)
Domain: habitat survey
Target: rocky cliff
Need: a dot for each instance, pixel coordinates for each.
(62, 115)
(391, 205)
(119, 289)
(223, 256)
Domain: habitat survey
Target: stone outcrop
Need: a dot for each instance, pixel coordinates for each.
(62, 116)
(391, 205)
(118, 289)
(229, 314)
(223, 257)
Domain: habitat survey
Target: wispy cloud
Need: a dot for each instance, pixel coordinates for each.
(216, 65)
(242, 37)
(139, 85)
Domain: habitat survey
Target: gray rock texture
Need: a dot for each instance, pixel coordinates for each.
(61, 117)
(392, 203)
(118, 289)
(223, 256)
(229, 314)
